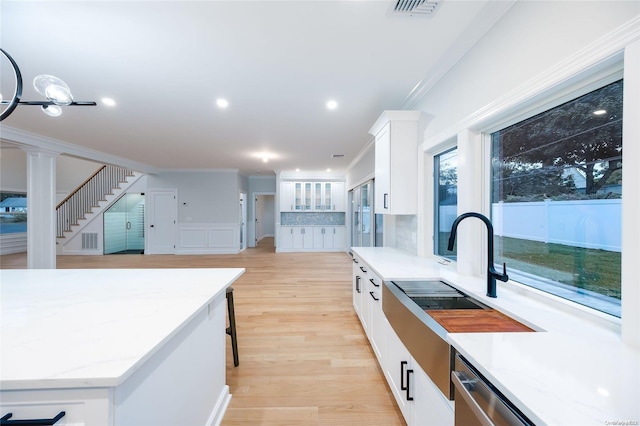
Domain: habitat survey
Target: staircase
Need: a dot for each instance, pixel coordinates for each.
(97, 193)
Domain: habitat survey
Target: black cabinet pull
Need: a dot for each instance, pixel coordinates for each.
(403, 364)
(362, 269)
(374, 283)
(355, 260)
(409, 397)
(30, 422)
(373, 295)
(358, 283)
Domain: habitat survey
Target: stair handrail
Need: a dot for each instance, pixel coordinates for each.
(87, 195)
(80, 186)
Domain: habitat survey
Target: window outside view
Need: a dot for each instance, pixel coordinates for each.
(446, 200)
(13, 213)
(557, 199)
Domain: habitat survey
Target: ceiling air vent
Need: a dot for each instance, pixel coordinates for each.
(337, 155)
(414, 7)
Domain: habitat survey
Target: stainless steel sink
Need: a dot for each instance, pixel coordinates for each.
(406, 305)
(430, 295)
(432, 303)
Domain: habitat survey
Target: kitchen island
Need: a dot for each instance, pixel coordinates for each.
(114, 346)
(574, 370)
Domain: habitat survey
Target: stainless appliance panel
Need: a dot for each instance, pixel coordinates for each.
(478, 403)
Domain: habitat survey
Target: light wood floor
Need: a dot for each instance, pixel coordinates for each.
(304, 358)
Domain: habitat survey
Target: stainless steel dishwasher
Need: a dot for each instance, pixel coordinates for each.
(477, 402)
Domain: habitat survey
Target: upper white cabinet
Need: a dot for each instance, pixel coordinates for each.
(286, 197)
(398, 134)
(312, 197)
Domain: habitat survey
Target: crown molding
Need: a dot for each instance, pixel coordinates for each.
(29, 141)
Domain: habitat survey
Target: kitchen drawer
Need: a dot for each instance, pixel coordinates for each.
(81, 406)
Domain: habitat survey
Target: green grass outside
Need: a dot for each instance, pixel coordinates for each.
(589, 269)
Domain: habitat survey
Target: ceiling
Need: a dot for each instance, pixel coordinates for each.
(276, 62)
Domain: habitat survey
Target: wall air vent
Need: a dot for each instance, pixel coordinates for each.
(89, 240)
(414, 7)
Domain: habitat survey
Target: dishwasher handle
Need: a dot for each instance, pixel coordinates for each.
(464, 387)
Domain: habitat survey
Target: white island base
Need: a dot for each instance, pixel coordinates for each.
(149, 350)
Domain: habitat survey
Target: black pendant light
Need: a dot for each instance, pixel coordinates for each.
(52, 88)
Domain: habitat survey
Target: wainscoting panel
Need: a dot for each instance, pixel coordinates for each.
(208, 238)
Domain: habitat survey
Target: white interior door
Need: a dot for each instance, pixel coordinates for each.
(161, 221)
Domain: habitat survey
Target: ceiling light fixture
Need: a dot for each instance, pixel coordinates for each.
(332, 104)
(52, 88)
(222, 103)
(108, 102)
(600, 112)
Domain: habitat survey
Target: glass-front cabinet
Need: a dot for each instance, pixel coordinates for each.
(312, 196)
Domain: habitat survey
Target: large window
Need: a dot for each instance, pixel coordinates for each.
(446, 200)
(13, 213)
(557, 199)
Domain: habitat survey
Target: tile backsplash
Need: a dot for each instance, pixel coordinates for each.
(312, 219)
(406, 228)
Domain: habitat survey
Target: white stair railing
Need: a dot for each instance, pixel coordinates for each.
(88, 195)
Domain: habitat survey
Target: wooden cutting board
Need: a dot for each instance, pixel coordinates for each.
(476, 321)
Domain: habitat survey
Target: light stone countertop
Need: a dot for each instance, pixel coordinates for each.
(574, 371)
(64, 328)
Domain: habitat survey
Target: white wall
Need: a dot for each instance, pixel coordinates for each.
(363, 169)
(208, 209)
(532, 37)
(71, 172)
(203, 197)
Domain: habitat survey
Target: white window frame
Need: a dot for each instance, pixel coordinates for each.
(583, 70)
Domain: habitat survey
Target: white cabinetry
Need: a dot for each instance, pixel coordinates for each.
(286, 237)
(312, 197)
(328, 237)
(311, 238)
(357, 286)
(302, 237)
(420, 401)
(286, 197)
(398, 135)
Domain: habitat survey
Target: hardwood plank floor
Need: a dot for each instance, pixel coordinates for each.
(304, 357)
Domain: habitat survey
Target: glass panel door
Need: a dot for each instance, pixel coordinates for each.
(124, 226)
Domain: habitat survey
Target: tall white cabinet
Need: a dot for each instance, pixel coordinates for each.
(398, 134)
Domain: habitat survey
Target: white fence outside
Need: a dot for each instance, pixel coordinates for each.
(595, 224)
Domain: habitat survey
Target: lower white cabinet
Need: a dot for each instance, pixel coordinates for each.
(419, 400)
(357, 287)
(311, 238)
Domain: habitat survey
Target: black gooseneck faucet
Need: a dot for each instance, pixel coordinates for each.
(492, 274)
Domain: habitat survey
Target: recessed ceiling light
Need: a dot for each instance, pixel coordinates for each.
(108, 102)
(297, 170)
(600, 112)
(332, 104)
(265, 160)
(222, 103)
(328, 170)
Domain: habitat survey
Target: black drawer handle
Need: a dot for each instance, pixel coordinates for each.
(358, 283)
(373, 295)
(362, 269)
(403, 364)
(374, 283)
(30, 422)
(409, 397)
(355, 260)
